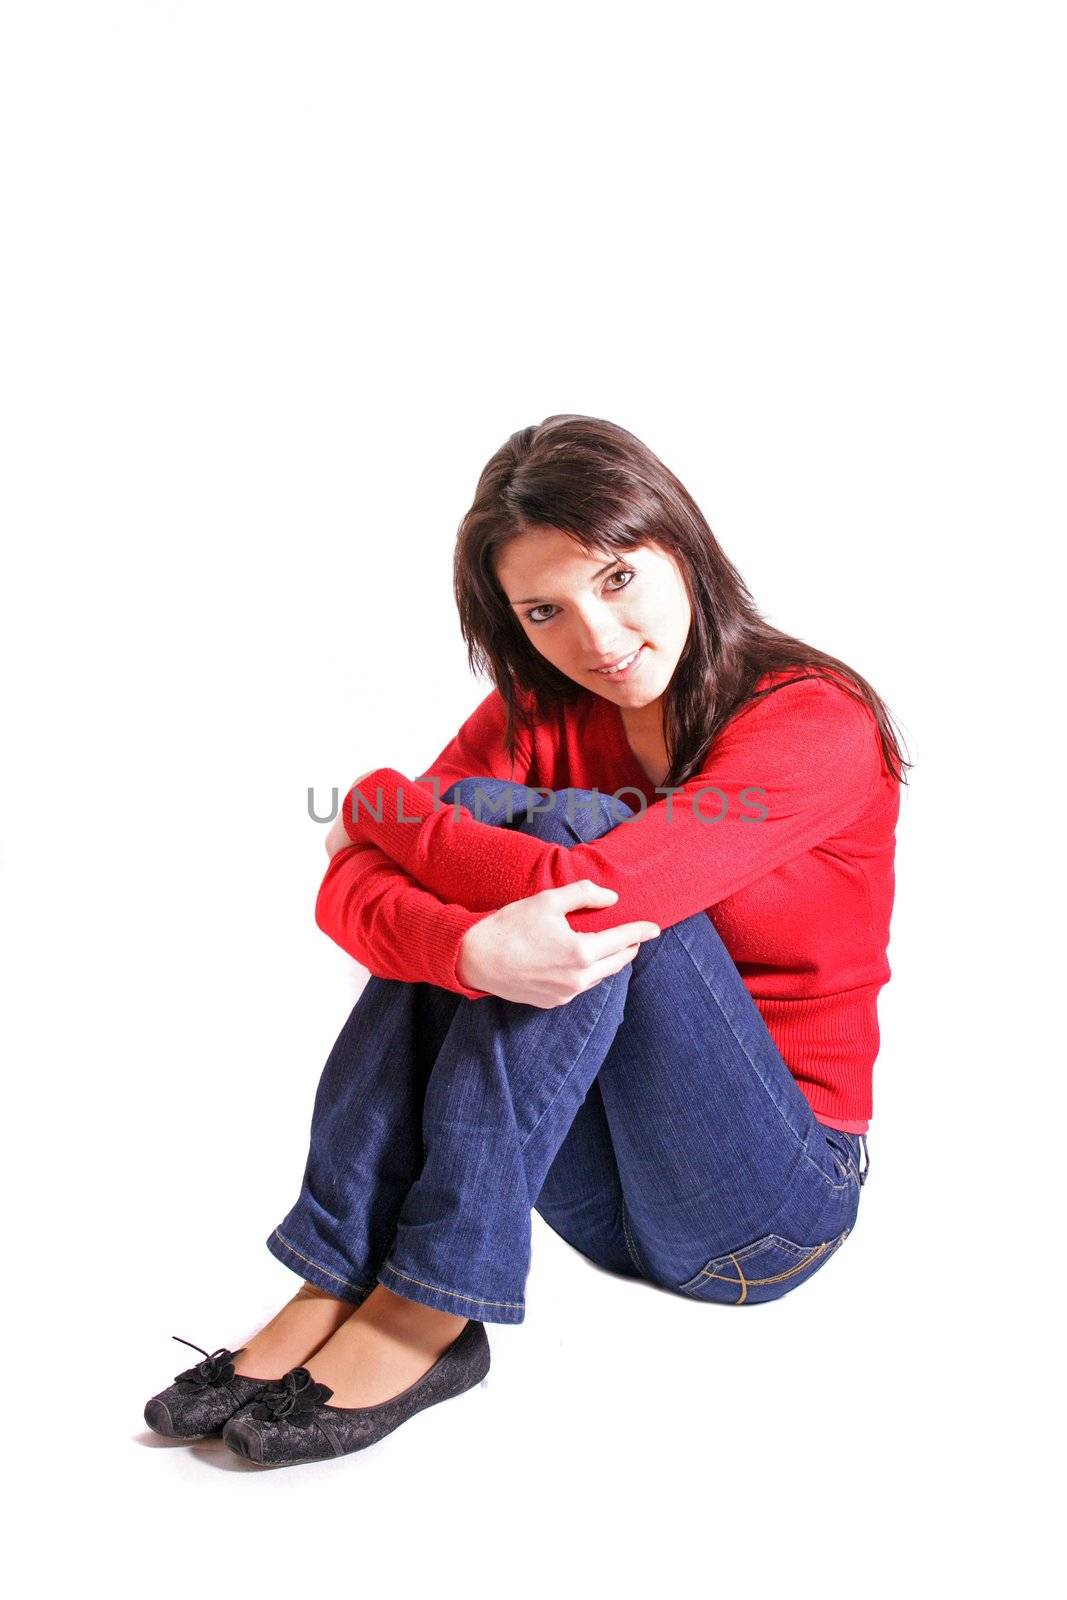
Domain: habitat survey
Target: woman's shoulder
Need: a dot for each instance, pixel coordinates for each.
(791, 690)
(808, 711)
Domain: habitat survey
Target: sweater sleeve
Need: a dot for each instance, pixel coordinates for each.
(376, 911)
(787, 773)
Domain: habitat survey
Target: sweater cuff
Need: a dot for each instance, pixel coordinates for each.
(442, 949)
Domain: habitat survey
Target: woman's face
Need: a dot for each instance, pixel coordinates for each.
(583, 612)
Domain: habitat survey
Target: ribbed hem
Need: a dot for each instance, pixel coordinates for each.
(441, 949)
(830, 1044)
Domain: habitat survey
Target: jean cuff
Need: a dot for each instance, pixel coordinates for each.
(412, 1287)
(341, 1288)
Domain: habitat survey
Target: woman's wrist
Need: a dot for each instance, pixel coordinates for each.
(337, 838)
(470, 960)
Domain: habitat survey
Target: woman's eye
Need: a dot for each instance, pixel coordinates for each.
(625, 572)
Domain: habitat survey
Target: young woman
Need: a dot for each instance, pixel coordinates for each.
(626, 938)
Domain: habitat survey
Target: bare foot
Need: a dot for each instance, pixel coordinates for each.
(297, 1331)
(385, 1346)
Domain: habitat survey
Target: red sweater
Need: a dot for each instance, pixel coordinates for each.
(796, 872)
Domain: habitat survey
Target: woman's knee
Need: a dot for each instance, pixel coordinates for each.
(563, 816)
(577, 815)
(488, 799)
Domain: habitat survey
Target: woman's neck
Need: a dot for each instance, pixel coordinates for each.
(644, 735)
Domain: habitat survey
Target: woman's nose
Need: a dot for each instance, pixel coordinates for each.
(598, 633)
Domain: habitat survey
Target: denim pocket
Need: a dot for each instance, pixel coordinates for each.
(845, 1153)
(764, 1270)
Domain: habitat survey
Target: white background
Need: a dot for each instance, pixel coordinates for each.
(277, 280)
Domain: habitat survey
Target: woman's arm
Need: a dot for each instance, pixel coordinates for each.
(808, 755)
(377, 912)
(388, 923)
(525, 952)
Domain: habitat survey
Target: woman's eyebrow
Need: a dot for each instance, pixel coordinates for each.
(533, 599)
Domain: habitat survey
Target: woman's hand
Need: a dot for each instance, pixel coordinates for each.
(529, 952)
(337, 838)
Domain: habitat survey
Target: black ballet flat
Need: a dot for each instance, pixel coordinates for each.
(204, 1397)
(291, 1422)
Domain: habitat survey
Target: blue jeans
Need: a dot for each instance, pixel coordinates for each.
(650, 1121)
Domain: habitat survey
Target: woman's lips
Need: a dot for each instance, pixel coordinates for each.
(619, 677)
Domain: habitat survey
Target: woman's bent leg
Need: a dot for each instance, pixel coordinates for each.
(581, 1198)
(733, 1189)
(505, 1088)
(730, 1188)
(509, 1100)
(366, 1137)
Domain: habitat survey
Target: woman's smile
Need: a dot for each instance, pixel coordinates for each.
(624, 668)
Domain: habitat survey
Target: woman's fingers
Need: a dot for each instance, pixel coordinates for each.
(613, 949)
(611, 940)
(574, 896)
(614, 963)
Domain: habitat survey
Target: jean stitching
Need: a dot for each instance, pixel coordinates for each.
(836, 1187)
(366, 1287)
(631, 1245)
(511, 1305)
(790, 1272)
(744, 1284)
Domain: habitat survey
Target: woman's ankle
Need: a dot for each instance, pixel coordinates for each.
(311, 1291)
(385, 1305)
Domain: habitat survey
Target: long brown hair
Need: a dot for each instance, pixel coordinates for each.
(597, 483)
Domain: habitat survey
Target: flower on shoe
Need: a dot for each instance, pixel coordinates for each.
(214, 1369)
(295, 1395)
